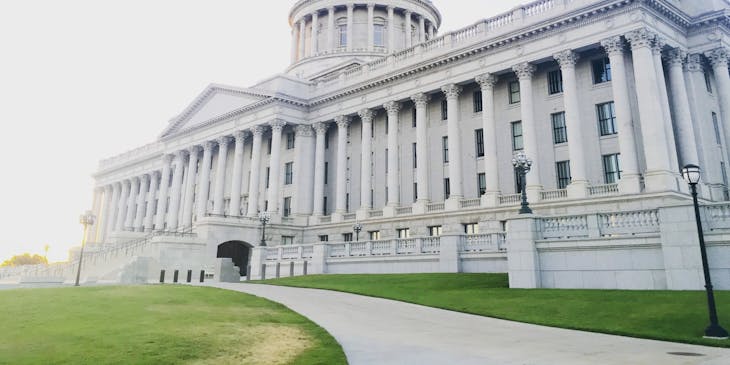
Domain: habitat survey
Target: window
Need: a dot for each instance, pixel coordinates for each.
(266, 205)
(560, 133)
(601, 70)
(287, 206)
(327, 140)
(347, 237)
(482, 183)
(434, 231)
(324, 206)
(447, 188)
(611, 168)
(326, 170)
(269, 145)
(268, 176)
(478, 101)
(562, 169)
(404, 233)
(479, 142)
(386, 161)
(374, 235)
(555, 82)
(724, 180)
(415, 156)
(716, 125)
(517, 140)
(415, 192)
(606, 119)
(444, 109)
(379, 39)
(290, 140)
(387, 123)
(289, 173)
(324, 238)
(287, 240)
(514, 92)
(372, 197)
(343, 35)
(347, 202)
(708, 83)
(445, 146)
(413, 118)
(471, 228)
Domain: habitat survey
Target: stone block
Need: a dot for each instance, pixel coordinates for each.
(635, 280)
(599, 279)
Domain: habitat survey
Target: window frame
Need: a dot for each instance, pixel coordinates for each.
(290, 140)
(286, 208)
(471, 228)
(477, 101)
(435, 231)
(555, 82)
(481, 183)
(444, 109)
(560, 129)
(516, 137)
(513, 92)
(606, 124)
(562, 174)
(479, 142)
(289, 173)
(612, 160)
(601, 68)
(445, 149)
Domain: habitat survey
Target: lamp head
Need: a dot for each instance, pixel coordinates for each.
(88, 218)
(520, 160)
(691, 174)
(264, 217)
(357, 227)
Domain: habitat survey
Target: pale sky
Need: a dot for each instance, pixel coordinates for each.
(82, 80)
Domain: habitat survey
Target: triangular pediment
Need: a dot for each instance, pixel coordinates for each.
(213, 103)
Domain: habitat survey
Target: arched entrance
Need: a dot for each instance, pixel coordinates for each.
(239, 251)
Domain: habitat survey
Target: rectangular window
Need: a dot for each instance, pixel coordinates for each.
(482, 183)
(415, 192)
(478, 101)
(445, 147)
(555, 82)
(562, 170)
(347, 237)
(324, 206)
(413, 118)
(479, 142)
(387, 123)
(447, 188)
(374, 235)
(386, 161)
(290, 140)
(268, 176)
(611, 168)
(287, 206)
(415, 156)
(434, 231)
(326, 172)
(601, 70)
(347, 202)
(289, 173)
(724, 181)
(269, 145)
(287, 240)
(266, 205)
(379, 36)
(327, 140)
(708, 82)
(444, 109)
(606, 118)
(343, 35)
(471, 228)
(404, 233)
(716, 125)
(517, 140)
(514, 92)
(560, 133)
(324, 238)
(372, 197)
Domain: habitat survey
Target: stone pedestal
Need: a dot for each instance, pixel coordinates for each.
(449, 255)
(389, 211)
(681, 248)
(420, 207)
(533, 193)
(522, 258)
(452, 204)
(578, 189)
(319, 259)
(657, 181)
(490, 199)
(257, 262)
(629, 184)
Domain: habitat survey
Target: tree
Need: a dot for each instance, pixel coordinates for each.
(24, 259)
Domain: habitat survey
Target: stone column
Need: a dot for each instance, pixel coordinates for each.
(423, 189)
(391, 29)
(489, 125)
(680, 100)
(237, 178)
(658, 166)
(656, 49)
(111, 192)
(275, 165)
(193, 156)
(201, 200)
(319, 151)
(331, 28)
(452, 92)
(315, 29)
(144, 185)
(524, 72)
(294, 43)
(366, 116)
(431, 31)
(719, 60)
(154, 185)
(350, 18)
(371, 27)
(393, 107)
(304, 170)
(162, 198)
(123, 205)
(409, 31)
(421, 28)
(343, 123)
(132, 204)
(578, 187)
(629, 182)
(177, 176)
(220, 176)
(253, 186)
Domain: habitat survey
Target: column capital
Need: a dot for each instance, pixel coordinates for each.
(392, 107)
(277, 125)
(452, 91)
(241, 136)
(193, 150)
(718, 57)
(350, 6)
(658, 45)
(167, 158)
(524, 71)
(223, 141)
(145, 178)
(342, 121)
(693, 63)
(180, 155)
(487, 80)
(420, 99)
(676, 56)
(567, 58)
(155, 174)
(108, 188)
(641, 38)
(407, 12)
(366, 115)
(304, 130)
(331, 10)
(258, 130)
(321, 128)
(370, 6)
(134, 179)
(613, 46)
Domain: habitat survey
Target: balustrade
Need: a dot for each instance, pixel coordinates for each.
(484, 242)
(565, 227)
(554, 194)
(603, 190)
(435, 207)
(629, 223)
(510, 199)
(717, 216)
(470, 203)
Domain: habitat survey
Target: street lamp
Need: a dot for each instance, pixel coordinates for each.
(87, 219)
(357, 228)
(264, 217)
(691, 174)
(522, 164)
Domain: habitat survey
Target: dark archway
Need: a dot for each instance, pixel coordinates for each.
(239, 251)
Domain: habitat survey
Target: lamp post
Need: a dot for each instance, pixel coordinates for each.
(264, 217)
(522, 164)
(87, 219)
(357, 228)
(691, 174)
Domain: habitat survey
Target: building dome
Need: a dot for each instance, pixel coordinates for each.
(331, 35)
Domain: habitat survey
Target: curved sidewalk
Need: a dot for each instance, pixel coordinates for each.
(380, 331)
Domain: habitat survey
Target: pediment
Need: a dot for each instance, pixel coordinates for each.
(213, 103)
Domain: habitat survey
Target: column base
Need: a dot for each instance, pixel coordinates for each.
(452, 203)
(420, 207)
(629, 184)
(578, 189)
(490, 199)
(389, 211)
(338, 217)
(362, 214)
(716, 193)
(533, 193)
(658, 181)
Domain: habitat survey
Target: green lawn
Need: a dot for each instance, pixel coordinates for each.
(665, 315)
(156, 325)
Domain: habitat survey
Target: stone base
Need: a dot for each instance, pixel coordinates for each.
(490, 199)
(362, 214)
(338, 217)
(578, 189)
(658, 181)
(389, 211)
(629, 184)
(533, 193)
(420, 207)
(452, 203)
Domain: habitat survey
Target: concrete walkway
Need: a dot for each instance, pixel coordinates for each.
(379, 331)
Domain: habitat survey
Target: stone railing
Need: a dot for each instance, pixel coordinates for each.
(554, 194)
(601, 225)
(510, 199)
(390, 247)
(325, 219)
(565, 227)
(404, 210)
(483, 242)
(470, 203)
(296, 252)
(603, 190)
(375, 213)
(628, 223)
(349, 216)
(435, 207)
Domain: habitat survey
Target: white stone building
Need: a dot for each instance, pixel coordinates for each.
(381, 120)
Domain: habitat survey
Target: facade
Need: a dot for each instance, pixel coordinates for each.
(383, 121)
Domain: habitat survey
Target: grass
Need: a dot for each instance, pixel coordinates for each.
(156, 325)
(679, 316)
